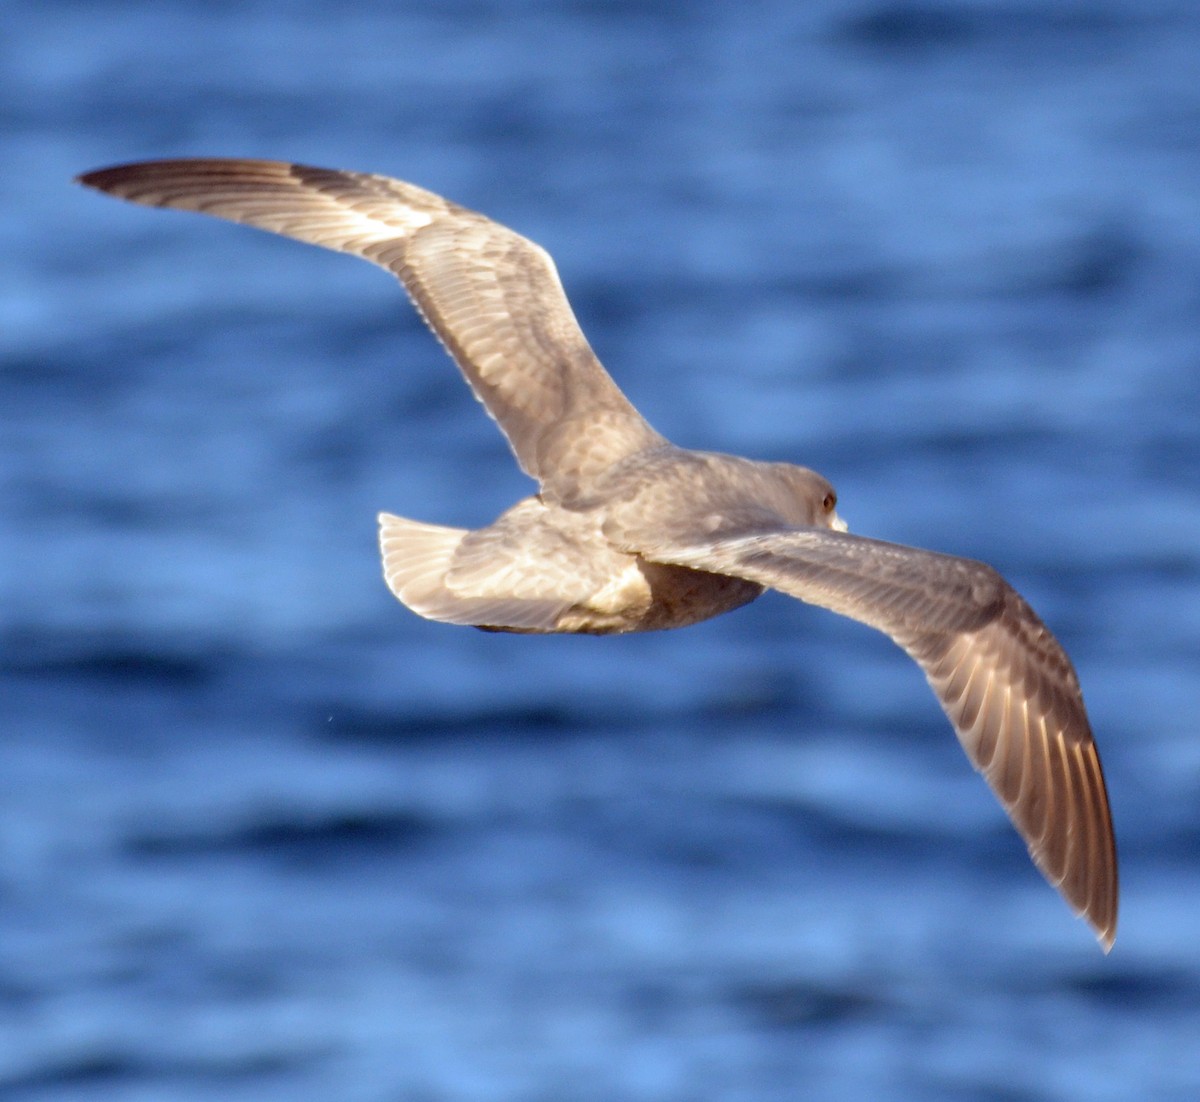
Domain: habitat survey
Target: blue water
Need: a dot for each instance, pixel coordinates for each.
(266, 835)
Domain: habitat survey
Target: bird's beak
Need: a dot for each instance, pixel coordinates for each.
(837, 524)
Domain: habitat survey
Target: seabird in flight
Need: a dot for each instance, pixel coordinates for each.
(628, 532)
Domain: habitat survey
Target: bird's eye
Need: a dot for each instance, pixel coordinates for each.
(830, 502)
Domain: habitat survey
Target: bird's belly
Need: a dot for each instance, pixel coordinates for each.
(648, 596)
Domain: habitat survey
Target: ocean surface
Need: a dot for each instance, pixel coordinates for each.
(264, 834)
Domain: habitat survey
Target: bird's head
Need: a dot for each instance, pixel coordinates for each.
(811, 499)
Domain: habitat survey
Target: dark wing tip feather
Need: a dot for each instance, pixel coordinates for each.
(105, 178)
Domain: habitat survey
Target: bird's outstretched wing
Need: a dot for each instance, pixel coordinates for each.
(1009, 689)
(493, 297)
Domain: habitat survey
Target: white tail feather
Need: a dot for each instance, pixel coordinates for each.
(416, 558)
(416, 561)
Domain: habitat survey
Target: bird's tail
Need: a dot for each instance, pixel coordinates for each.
(416, 558)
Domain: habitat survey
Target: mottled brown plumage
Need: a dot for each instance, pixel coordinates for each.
(630, 533)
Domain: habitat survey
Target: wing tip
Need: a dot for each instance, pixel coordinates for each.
(1103, 920)
(112, 178)
(96, 178)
